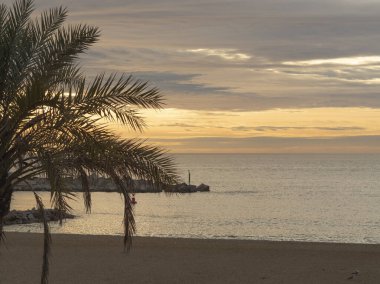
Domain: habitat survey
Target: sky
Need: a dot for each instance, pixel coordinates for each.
(245, 76)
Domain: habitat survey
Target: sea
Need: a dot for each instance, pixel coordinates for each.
(282, 197)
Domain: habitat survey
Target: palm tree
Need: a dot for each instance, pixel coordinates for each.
(53, 121)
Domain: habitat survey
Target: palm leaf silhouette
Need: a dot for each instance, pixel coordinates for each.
(53, 119)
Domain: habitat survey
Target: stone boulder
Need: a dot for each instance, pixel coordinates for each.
(203, 187)
(32, 216)
(186, 188)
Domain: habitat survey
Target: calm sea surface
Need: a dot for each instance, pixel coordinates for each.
(333, 198)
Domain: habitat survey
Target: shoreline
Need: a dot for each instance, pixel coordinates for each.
(218, 238)
(100, 259)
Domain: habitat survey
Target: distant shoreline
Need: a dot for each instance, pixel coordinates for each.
(103, 184)
(99, 259)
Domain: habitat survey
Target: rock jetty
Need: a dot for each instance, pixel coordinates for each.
(102, 184)
(32, 216)
(186, 188)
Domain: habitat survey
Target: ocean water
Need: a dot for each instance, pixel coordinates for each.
(323, 198)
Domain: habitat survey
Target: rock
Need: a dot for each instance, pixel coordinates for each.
(184, 188)
(203, 187)
(32, 216)
(192, 188)
(103, 184)
(24, 215)
(141, 186)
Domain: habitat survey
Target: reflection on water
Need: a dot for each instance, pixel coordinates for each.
(331, 198)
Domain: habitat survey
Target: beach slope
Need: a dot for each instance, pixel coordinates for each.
(100, 259)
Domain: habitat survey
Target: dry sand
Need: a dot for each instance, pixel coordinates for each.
(100, 259)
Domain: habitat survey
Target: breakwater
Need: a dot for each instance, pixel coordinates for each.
(102, 184)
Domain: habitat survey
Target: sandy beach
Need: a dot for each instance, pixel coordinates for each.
(100, 259)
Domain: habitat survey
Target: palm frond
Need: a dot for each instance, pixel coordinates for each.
(129, 219)
(12, 38)
(3, 18)
(114, 98)
(59, 193)
(2, 234)
(64, 47)
(47, 239)
(18, 16)
(53, 121)
(37, 34)
(86, 189)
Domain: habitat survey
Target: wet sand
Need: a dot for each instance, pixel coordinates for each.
(100, 259)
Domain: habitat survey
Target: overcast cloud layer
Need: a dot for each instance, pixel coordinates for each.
(239, 57)
(241, 54)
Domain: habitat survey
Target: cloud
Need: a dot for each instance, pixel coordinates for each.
(182, 125)
(258, 86)
(348, 144)
(285, 128)
(227, 54)
(239, 55)
(175, 82)
(354, 61)
(356, 75)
